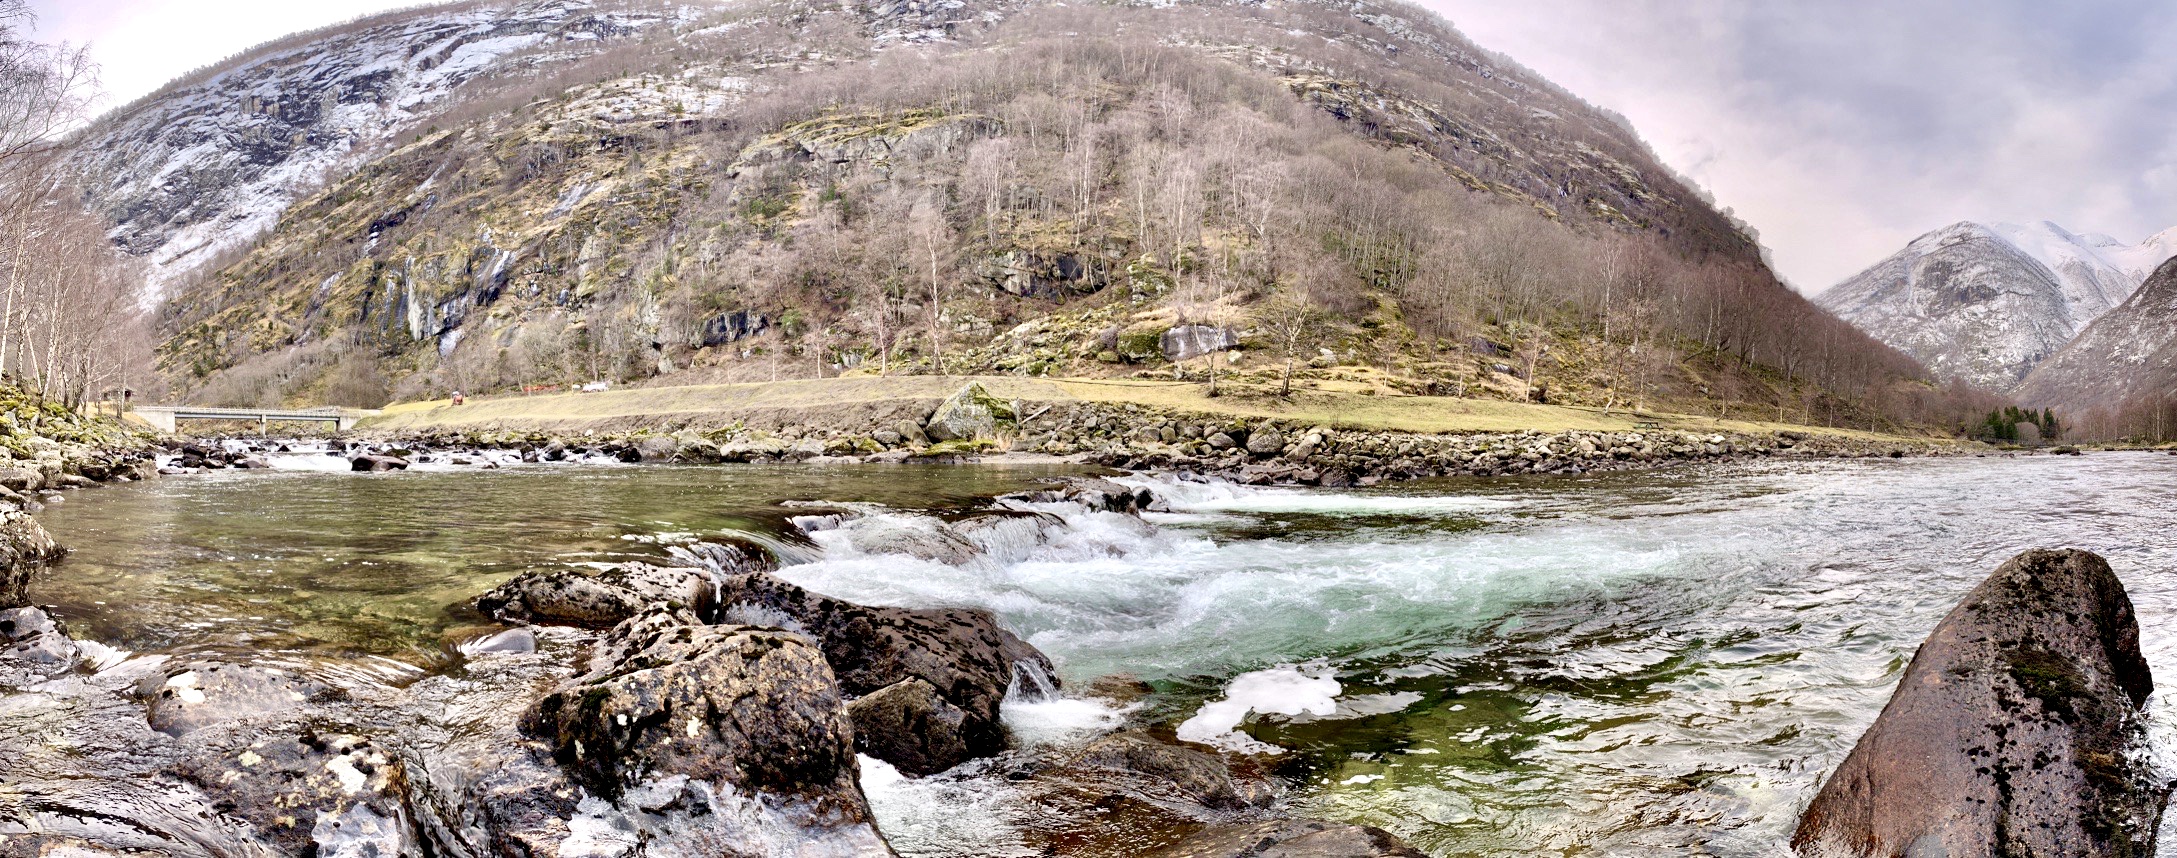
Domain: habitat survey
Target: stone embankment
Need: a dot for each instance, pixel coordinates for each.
(693, 705)
(973, 425)
(2012, 732)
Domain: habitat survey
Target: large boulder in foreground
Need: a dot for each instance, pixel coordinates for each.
(2007, 734)
(25, 548)
(672, 713)
(962, 653)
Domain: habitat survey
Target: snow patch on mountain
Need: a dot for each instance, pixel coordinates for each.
(191, 173)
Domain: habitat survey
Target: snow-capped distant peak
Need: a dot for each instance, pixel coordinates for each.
(1986, 302)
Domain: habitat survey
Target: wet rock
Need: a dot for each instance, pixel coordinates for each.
(1098, 494)
(377, 464)
(753, 712)
(311, 787)
(25, 549)
(33, 648)
(1161, 770)
(576, 598)
(972, 413)
(1290, 838)
(911, 726)
(961, 652)
(2007, 734)
(189, 697)
(511, 640)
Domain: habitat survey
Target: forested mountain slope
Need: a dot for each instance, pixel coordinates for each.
(767, 189)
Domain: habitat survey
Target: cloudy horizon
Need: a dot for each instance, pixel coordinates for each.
(1838, 131)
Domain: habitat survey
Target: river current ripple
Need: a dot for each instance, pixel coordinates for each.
(1624, 664)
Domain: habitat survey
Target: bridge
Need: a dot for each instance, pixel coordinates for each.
(167, 418)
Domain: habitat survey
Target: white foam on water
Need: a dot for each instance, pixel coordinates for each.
(1287, 690)
(1104, 593)
(945, 815)
(1061, 720)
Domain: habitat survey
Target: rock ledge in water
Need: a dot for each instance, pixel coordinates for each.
(2007, 734)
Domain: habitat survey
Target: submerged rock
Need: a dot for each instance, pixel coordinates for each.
(1290, 838)
(961, 652)
(2007, 734)
(1160, 770)
(25, 548)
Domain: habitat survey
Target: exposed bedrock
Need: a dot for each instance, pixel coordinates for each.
(2007, 734)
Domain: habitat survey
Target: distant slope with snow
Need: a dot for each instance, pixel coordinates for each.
(1986, 303)
(213, 162)
(2128, 355)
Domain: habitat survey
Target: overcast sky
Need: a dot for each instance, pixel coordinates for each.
(1839, 129)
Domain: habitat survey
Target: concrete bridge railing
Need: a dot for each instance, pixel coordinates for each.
(167, 418)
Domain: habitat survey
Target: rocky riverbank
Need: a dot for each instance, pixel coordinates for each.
(693, 704)
(46, 450)
(973, 425)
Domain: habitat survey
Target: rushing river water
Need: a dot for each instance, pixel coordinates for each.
(1628, 664)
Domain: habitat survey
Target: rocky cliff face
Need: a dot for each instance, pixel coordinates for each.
(2126, 356)
(1986, 303)
(213, 160)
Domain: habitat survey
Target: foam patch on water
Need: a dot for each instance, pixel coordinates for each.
(945, 815)
(1286, 690)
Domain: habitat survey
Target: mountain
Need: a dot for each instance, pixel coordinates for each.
(2127, 357)
(1985, 303)
(632, 190)
(210, 161)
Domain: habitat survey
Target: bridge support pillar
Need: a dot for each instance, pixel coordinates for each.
(161, 419)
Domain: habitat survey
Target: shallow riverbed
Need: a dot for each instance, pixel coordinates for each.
(1628, 664)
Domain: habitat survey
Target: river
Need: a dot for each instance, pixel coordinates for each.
(1625, 664)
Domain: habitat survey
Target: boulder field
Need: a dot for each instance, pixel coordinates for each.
(2008, 734)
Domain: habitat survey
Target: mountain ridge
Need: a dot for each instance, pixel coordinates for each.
(744, 190)
(1985, 303)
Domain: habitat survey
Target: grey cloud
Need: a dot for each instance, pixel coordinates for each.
(1841, 130)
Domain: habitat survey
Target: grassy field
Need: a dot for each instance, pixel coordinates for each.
(725, 404)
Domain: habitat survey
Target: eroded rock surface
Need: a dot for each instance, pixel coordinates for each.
(963, 653)
(2006, 736)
